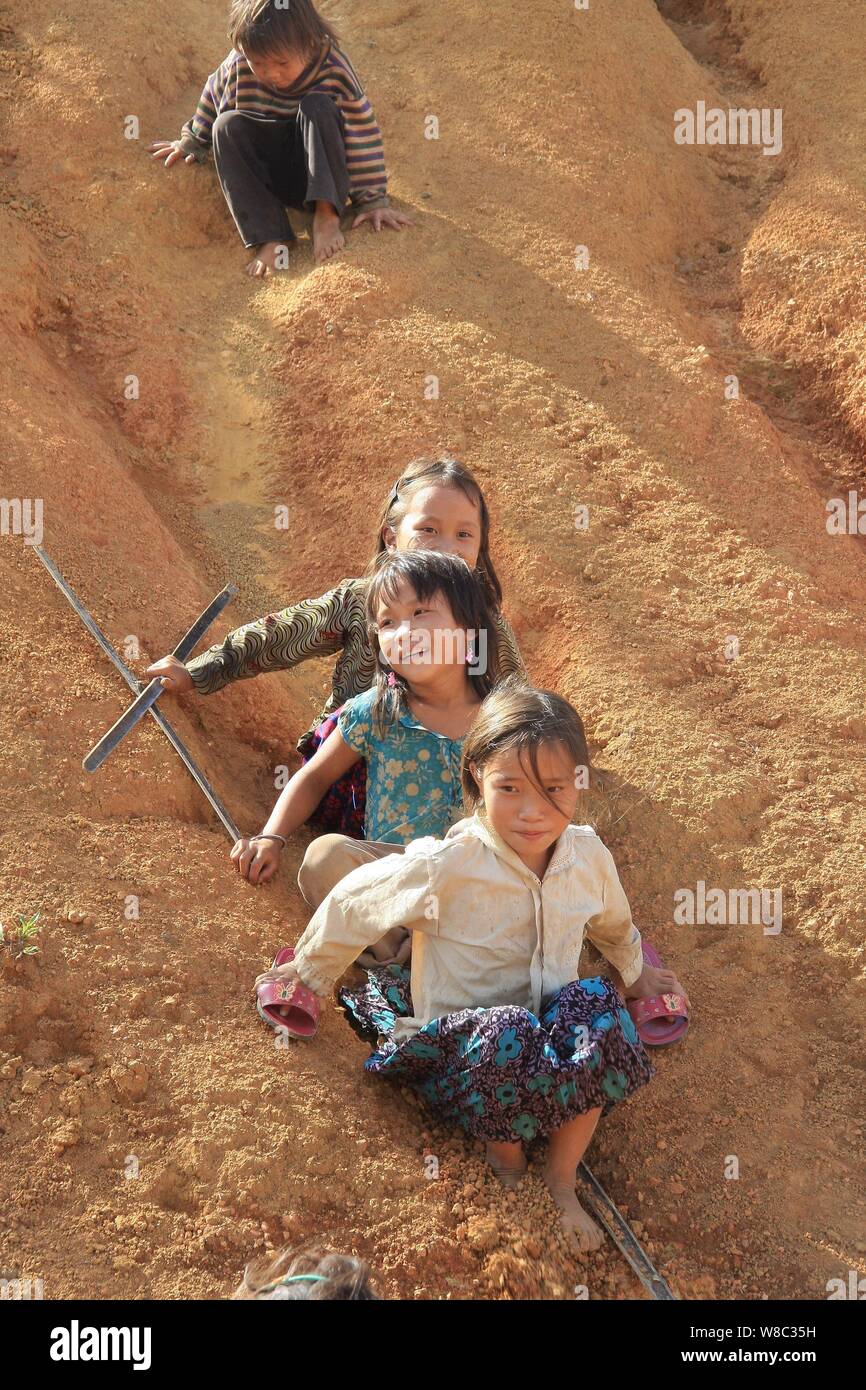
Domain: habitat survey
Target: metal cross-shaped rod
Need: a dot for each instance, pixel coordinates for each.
(97, 633)
(151, 692)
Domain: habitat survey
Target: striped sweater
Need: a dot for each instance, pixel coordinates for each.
(336, 622)
(234, 87)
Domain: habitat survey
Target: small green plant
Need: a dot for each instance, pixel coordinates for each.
(21, 938)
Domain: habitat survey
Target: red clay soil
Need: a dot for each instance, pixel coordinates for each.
(131, 1046)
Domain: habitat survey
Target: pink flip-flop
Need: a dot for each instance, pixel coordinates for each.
(302, 1018)
(662, 1018)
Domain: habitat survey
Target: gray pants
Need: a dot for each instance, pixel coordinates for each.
(330, 857)
(327, 860)
(265, 166)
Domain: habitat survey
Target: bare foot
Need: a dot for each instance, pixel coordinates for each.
(270, 257)
(576, 1221)
(391, 949)
(328, 238)
(508, 1162)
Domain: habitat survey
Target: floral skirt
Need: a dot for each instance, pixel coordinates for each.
(503, 1074)
(341, 809)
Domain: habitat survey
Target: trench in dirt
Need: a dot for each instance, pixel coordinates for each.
(713, 272)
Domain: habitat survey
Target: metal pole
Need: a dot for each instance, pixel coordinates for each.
(99, 636)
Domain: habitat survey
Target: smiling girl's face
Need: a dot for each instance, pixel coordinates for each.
(515, 806)
(439, 518)
(278, 70)
(417, 637)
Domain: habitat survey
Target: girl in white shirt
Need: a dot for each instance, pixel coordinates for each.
(493, 1027)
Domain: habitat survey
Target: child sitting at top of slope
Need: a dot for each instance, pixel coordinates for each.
(290, 126)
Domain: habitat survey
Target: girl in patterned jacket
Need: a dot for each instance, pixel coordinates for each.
(436, 505)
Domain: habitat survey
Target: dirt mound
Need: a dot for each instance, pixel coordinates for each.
(581, 291)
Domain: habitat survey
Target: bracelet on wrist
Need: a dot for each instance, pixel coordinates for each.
(282, 839)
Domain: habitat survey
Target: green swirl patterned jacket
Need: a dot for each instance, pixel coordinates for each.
(336, 622)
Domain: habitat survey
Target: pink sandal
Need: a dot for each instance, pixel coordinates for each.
(662, 1018)
(302, 1018)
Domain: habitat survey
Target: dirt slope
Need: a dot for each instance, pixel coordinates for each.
(135, 1039)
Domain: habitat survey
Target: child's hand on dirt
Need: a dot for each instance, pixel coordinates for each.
(283, 974)
(383, 217)
(256, 860)
(652, 981)
(270, 257)
(172, 674)
(170, 151)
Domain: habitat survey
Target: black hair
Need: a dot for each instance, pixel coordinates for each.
(430, 572)
(311, 1275)
(269, 28)
(441, 472)
(516, 715)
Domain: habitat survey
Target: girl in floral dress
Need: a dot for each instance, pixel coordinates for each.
(437, 656)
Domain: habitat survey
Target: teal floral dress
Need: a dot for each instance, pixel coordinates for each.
(503, 1074)
(413, 775)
